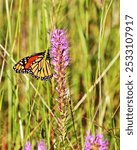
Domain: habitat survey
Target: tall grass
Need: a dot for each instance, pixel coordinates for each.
(28, 107)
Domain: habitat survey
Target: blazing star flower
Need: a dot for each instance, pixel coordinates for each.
(41, 145)
(59, 52)
(60, 61)
(95, 143)
(27, 146)
(89, 139)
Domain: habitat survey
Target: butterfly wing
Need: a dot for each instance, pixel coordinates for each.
(36, 65)
(41, 68)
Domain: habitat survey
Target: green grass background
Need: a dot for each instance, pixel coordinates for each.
(92, 28)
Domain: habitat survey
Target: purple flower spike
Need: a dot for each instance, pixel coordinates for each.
(89, 139)
(41, 145)
(96, 142)
(60, 61)
(27, 146)
(59, 52)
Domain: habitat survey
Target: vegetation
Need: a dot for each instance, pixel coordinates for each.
(28, 107)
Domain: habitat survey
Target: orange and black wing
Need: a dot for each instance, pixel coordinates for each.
(37, 65)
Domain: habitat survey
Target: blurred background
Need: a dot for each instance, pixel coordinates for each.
(92, 28)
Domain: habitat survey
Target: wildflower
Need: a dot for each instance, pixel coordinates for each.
(59, 52)
(60, 61)
(27, 146)
(95, 143)
(41, 145)
(89, 139)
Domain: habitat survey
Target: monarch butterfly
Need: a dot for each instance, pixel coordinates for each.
(37, 65)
